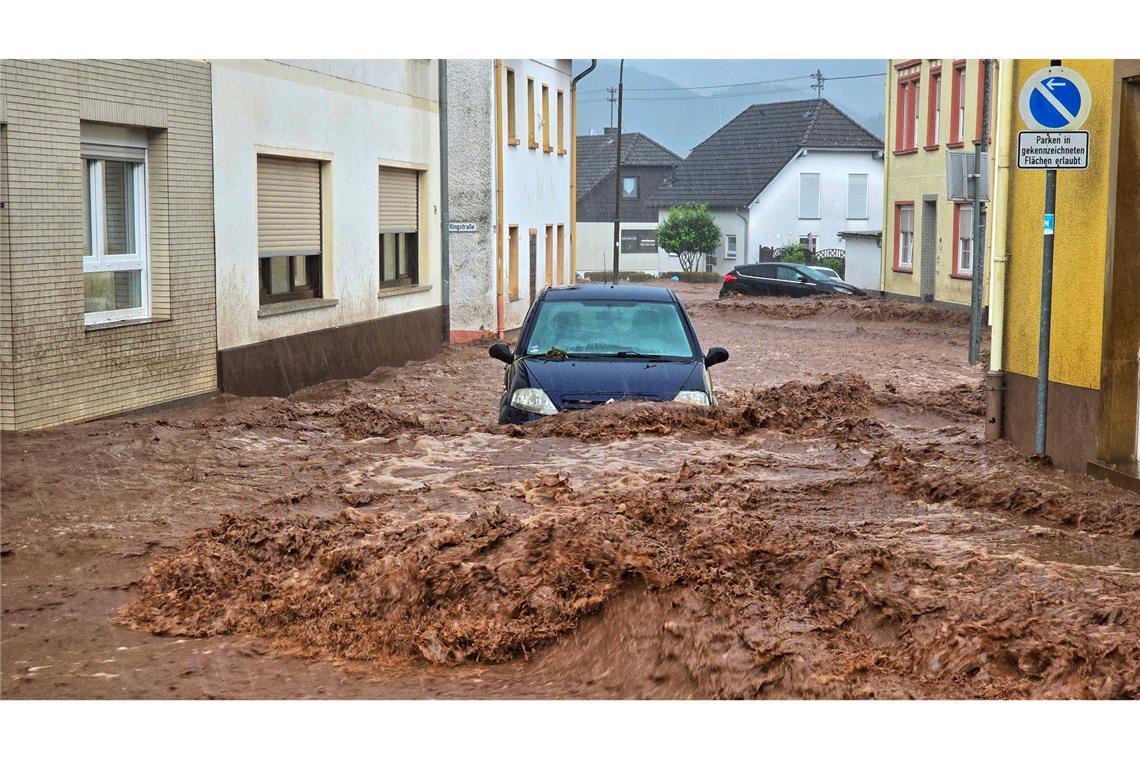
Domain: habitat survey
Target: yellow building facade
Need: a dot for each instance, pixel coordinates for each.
(933, 106)
(1094, 380)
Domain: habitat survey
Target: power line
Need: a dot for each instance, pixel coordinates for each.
(859, 76)
(816, 76)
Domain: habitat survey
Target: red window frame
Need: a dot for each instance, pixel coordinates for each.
(957, 98)
(956, 271)
(981, 102)
(906, 109)
(934, 106)
(897, 264)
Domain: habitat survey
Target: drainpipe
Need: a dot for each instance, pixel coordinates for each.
(574, 169)
(888, 159)
(444, 207)
(999, 248)
(500, 306)
(744, 218)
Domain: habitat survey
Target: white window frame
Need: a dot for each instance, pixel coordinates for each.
(94, 162)
(727, 253)
(636, 189)
(968, 270)
(906, 245)
(818, 192)
(866, 198)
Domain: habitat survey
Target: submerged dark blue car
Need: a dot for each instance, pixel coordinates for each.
(585, 345)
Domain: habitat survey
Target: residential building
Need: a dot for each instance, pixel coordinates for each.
(1094, 369)
(326, 199)
(509, 178)
(933, 106)
(106, 238)
(645, 164)
(777, 174)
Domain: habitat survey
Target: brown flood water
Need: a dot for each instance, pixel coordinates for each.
(836, 529)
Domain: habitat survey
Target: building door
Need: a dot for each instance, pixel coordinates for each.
(928, 263)
(533, 264)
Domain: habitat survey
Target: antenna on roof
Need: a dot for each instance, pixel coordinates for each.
(818, 86)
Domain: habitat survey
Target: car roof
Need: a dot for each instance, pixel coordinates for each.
(600, 292)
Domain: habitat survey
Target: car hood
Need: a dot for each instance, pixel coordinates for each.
(585, 382)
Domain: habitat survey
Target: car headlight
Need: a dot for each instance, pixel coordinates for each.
(532, 400)
(699, 398)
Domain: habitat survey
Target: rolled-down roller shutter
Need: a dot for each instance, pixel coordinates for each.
(288, 206)
(399, 200)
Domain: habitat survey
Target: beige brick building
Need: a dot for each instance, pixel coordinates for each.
(106, 238)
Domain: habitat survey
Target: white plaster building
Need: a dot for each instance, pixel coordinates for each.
(780, 173)
(326, 200)
(509, 138)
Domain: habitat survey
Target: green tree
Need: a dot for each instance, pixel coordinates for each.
(689, 231)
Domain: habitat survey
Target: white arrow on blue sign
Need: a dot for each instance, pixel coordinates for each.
(1055, 99)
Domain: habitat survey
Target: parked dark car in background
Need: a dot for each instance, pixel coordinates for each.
(585, 345)
(775, 279)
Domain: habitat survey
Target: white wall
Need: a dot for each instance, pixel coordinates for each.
(596, 245)
(774, 215)
(730, 224)
(536, 185)
(864, 262)
(264, 105)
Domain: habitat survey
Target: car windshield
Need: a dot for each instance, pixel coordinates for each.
(610, 328)
(813, 274)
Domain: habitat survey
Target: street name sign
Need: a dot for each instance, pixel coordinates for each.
(1052, 150)
(462, 227)
(1055, 99)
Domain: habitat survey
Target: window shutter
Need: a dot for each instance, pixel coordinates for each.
(856, 196)
(399, 200)
(288, 206)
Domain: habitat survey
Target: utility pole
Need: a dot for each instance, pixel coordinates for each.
(978, 266)
(611, 98)
(818, 86)
(617, 174)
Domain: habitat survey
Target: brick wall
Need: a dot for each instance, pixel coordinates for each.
(54, 369)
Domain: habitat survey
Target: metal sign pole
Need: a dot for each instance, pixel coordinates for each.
(1046, 312)
(978, 265)
(617, 177)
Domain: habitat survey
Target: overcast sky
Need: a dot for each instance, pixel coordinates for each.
(680, 102)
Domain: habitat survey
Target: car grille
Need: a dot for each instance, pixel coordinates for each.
(590, 400)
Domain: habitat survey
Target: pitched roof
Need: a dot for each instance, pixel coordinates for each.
(737, 162)
(595, 159)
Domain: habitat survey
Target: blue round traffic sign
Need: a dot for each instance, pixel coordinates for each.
(1055, 99)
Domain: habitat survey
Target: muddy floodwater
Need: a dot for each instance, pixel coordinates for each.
(837, 528)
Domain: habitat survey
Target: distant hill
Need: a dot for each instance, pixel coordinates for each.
(681, 118)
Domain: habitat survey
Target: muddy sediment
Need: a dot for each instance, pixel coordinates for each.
(859, 309)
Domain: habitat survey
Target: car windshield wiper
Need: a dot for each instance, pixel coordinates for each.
(634, 355)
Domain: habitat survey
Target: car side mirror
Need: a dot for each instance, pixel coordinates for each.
(502, 352)
(716, 355)
(801, 278)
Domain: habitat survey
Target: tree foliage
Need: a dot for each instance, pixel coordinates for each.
(689, 231)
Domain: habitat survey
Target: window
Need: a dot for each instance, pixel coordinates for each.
(963, 240)
(904, 237)
(561, 127)
(288, 228)
(934, 110)
(549, 254)
(546, 119)
(809, 241)
(115, 242)
(399, 218)
(958, 105)
(561, 277)
(856, 196)
(730, 246)
(629, 188)
(787, 273)
(530, 114)
(513, 274)
(809, 196)
(906, 116)
(981, 101)
(512, 128)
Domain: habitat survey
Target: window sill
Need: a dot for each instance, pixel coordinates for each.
(958, 144)
(533, 146)
(905, 151)
(562, 151)
(959, 276)
(512, 141)
(547, 149)
(124, 323)
(931, 147)
(289, 307)
(407, 289)
(902, 270)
